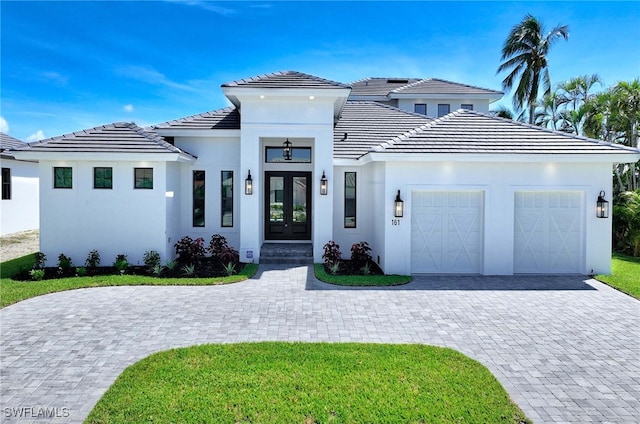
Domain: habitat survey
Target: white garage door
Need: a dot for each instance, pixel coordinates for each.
(446, 232)
(548, 232)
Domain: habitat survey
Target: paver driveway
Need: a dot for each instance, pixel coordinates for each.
(566, 349)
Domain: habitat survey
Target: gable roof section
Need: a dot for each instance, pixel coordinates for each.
(119, 137)
(286, 79)
(473, 133)
(221, 119)
(7, 142)
(379, 86)
(440, 86)
(369, 124)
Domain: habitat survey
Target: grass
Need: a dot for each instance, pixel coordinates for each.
(307, 383)
(360, 280)
(14, 291)
(625, 275)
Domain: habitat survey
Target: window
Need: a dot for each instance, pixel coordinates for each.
(103, 177)
(6, 183)
(298, 155)
(420, 108)
(466, 106)
(443, 109)
(62, 177)
(198, 198)
(226, 199)
(349, 200)
(143, 178)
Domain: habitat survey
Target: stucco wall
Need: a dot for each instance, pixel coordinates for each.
(214, 156)
(499, 182)
(20, 213)
(121, 220)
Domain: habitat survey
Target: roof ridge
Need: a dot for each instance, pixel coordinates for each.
(405, 135)
(197, 115)
(413, 84)
(466, 85)
(240, 82)
(425, 80)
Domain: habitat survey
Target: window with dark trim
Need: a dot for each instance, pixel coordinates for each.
(420, 108)
(466, 106)
(103, 177)
(6, 183)
(226, 200)
(298, 155)
(198, 198)
(62, 177)
(143, 178)
(443, 109)
(349, 200)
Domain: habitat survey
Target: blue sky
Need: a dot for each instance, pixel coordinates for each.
(67, 66)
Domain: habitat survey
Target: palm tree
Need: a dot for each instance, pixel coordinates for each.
(574, 95)
(525, 56)
(548, 113)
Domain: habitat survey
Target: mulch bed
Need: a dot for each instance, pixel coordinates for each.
(347, 267)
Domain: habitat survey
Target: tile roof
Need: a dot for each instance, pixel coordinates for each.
(221, 119)
(8, 142)
(379, 86)
(286, 79)
(468, 132)
(119, 137)
(440, 86)
(369, 124)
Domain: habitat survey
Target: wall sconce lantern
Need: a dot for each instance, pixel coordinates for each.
(398, 206)
(248, 185)
(286, 150)
(324, 185)
(602, 206)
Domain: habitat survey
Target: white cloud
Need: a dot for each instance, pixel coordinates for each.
(37, 136)
(128, 108)
(4, 125)
(203, 4)
(151, 76)
(55, 77)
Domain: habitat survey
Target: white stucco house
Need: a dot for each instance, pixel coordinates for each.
(298, 158)
(19, 204)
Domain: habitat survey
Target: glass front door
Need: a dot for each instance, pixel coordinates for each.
(288, 206)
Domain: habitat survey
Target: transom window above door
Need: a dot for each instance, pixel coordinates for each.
(298, 155)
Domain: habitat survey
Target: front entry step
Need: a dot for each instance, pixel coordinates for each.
(286, 253)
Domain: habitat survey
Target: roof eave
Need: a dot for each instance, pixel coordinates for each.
(197, 132)
(106, 156)
(491, 97)
(503, 157)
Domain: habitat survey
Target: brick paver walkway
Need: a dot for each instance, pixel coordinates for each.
(566, 349)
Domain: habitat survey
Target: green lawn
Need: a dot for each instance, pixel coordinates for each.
(625, 275)
(14, 291)
(307, 383)
(360, 280)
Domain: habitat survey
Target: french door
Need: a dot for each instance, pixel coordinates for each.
(287, 205)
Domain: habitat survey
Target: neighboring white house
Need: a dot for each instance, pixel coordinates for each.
(479, 194)
(19, 207)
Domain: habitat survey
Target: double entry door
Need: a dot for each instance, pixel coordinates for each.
(287, 205)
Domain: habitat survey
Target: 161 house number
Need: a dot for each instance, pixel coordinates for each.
(395, 222)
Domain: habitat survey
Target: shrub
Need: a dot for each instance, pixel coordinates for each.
(334, 268)
(332, 254)
(229, 256)
(230, 269)
(217, 245)
(170, 265)
(64, 262)
(81, 271)
(36, 274)
(121, 263)
(93, 259)
(190, 251)
(189, 270)
(360, 254)
(151, 258)
(157, 270)
(39, 259)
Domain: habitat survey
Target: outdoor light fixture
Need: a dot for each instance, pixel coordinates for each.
(398, 206)
(248, 185)
(602, 206)
(286, 150)
(323, 184)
